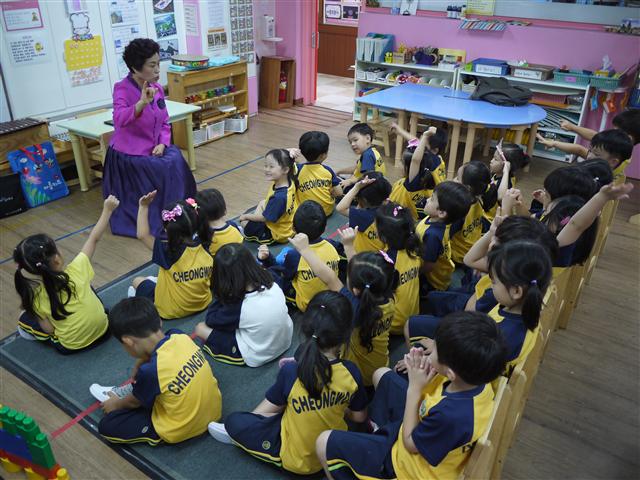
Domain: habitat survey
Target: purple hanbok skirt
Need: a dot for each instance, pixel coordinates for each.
(128, 177)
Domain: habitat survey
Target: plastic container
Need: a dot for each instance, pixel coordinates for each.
(606, 83)
(200, 135)
(575, 77)
(532, 71)
(491, 66)
(237, 125)
(215, 130)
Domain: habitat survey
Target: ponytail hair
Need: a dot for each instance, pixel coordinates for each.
(181, 223)
(374, 194)
(396, 228)
(326, 324)
(283, 158)
(34, 254)
(476, 176)
(202, 222)
(525, 264)
(515, 155)
(375, 276)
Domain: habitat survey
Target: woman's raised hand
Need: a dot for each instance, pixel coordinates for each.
(147, 93)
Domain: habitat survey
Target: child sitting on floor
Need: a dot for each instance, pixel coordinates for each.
(311, 394)
(183, 284)
(271, 222)
(174, 394)
(424, 169)
(212, 203)
(248, 322)
(370, 192)
(316, 181)
(431, 421)
(360, 138)
(299, 282)
(60, 307)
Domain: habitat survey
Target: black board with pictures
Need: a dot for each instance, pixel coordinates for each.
(242, 31)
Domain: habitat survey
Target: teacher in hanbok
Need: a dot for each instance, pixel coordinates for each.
(140, 157)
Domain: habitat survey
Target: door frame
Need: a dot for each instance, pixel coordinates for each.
(309, 51)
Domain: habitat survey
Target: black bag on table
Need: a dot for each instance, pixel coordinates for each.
(11, 197)
(499, 91)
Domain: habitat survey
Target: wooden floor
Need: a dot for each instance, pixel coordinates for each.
(582, 419)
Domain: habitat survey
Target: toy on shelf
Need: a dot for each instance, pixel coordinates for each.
(210, 95)
(24, 447)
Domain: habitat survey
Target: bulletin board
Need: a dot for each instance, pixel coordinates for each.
(77, 46)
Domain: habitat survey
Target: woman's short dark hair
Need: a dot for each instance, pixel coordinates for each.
(139, 51)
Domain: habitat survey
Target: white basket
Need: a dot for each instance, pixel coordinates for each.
(237, 125)
(199, 136)
(371, 76)
(215, 130)
(361, 75)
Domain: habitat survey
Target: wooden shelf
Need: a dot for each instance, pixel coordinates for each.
(216, 99)
(183, 84)
(270, 70)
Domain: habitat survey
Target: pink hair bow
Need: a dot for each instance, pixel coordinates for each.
(170, 215)
(387, 258)
(564, 221)
(193, 203)
(397, 210)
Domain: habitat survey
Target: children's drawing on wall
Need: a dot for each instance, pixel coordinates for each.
(83, 52)
(216, 39)
(23, 15)
(168, 48)
(165, 25)
(163, 6)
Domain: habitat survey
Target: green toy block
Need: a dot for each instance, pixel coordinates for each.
(41, 451)
(3, 412)
(9, 422)
(28, 429)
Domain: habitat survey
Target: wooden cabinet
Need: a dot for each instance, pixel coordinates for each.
(337, 49)
(217, 90)
(271, 69)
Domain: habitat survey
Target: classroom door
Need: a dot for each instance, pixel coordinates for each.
(309, 67)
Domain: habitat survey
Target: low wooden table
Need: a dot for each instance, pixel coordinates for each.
(93, 127)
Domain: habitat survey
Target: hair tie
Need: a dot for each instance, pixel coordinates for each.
(38, 264)
(596, 179)
(41, 246)
(170, 215)
(367, 286)
(322, 306)
(315, 337)
(564, 221)
(193, 203)
(534, 282)
(397, 210)
(387, 258)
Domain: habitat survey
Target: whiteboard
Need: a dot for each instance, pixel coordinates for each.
(43, 87)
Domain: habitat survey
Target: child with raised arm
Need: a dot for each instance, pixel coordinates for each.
(222, 231)
(424, 169)
(370, 192)
(59, 306)
(182, 287)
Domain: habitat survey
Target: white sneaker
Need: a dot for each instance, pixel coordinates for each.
(101, 393)
(26, 335)
(217, 431)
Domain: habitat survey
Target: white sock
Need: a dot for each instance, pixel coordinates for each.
(131, 292)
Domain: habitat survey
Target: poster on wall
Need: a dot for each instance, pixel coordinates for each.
(242, 33)
(123, 35)
(84, 60)
(76, 6)
(123, 12)
(165, 25)
(168, 48)
(481, 7)
(341, 12)
(21, 15)
(163, 6)
(217, 39)
(191, 20)
(28, 48)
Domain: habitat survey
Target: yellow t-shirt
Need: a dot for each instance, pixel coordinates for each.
(410, 195)
(184, 284)
(87, 320)
(618, 172)
(369, 362)
(178, 385)
(305, 418)
(490, 214)
(436, 249)
(407, 294)
(450, 424)
(466, 232)
(304, 281)
(280, 206)
(229, 233)
(370, 160)
(315, 182)
(367, 239)
(520, 340)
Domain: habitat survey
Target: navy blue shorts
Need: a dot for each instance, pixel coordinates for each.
(362, 455)
(256, 434)
(442, 303)
(258, 232)
(390, 399)
(223, 347)
(30, 324)
(147, 289)
(422, 326)
(129, 426)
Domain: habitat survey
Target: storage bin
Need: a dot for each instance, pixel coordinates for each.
(237, 124)
(371, 76)
(491, 66)
(361, 75)
(607, 83)
(215, 130)
(200, 135)
(575, 77)
(532, 71)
